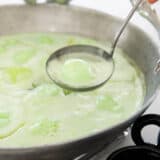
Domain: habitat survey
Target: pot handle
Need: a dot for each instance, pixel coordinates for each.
(157, 68)
(150, 14)
(33, 2)
(150, 119)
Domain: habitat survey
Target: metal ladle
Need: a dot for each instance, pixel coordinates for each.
(58, 58)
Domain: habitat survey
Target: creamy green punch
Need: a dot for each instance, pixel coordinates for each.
(35, 111)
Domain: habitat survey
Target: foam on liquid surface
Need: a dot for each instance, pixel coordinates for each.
(35, 111)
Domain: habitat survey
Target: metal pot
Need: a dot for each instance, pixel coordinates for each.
(56, 18)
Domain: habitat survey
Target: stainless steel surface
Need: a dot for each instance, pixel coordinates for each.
(33, 2)
(81, 21)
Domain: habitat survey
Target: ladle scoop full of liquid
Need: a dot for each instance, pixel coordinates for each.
(75, 59)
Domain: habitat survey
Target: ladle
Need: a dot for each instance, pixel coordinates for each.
(99, 59)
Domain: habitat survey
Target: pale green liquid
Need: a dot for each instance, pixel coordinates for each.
(34, 111)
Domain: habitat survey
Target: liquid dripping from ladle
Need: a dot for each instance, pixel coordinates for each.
(97, 57)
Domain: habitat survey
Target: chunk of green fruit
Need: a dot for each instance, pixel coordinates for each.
(44, 39)
(66, 92)
(10, 42)
(16, 74)
(45, 127)
(4, 119)
(47, 90)
(77, 71)
(11, 118)
(2, 49)
(106, 102)
(71, 41)
(24, 55)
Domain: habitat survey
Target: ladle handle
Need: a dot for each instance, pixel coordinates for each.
(135, 7)
(150, 119)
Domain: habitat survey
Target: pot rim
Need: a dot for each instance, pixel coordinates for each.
(91, 136)
(146, 148)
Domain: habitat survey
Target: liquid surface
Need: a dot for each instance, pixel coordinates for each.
(35, 111)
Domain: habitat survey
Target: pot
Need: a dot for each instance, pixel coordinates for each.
(56, 18)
